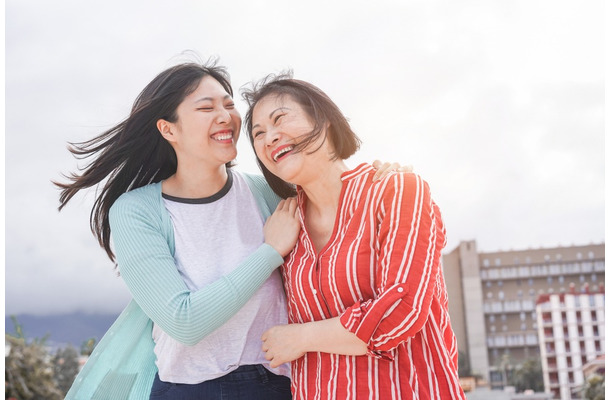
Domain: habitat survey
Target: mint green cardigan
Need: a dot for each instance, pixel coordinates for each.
(122, 366)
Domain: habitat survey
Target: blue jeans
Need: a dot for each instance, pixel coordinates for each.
(248, 382)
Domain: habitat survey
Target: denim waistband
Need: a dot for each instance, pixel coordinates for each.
(245, 372)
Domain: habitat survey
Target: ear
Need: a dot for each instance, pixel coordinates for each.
(165, 128)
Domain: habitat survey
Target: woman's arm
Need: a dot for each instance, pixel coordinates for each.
(285, 343)
(148, 268)
(410, 238)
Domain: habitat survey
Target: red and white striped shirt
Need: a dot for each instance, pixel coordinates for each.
(380, 273)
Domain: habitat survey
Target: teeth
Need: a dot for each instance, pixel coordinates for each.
(279, 153)
(223, 137)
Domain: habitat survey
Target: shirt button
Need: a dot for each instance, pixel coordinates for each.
(400, 290)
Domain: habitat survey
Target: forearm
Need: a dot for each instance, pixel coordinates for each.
(285, 343)
(329, 336)
(189, 316)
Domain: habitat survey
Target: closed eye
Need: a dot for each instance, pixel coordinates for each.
(257, 134)
(277, 118)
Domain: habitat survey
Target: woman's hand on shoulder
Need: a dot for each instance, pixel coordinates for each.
(384, 169)
(283, 226)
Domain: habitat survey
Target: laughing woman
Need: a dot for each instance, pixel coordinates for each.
(192, 246)
(367, 303)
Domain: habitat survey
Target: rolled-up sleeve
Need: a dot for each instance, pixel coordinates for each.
(409, 239)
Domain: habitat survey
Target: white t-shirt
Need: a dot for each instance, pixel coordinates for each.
(213, 235)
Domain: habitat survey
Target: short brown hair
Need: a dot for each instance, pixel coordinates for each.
(320, 109)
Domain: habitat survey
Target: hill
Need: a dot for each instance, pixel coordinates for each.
(62, 329)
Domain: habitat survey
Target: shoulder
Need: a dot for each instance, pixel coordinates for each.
(253, 180)
(402, 181)
(257, 184)
(143, 198)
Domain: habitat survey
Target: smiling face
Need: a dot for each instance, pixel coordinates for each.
(207, 127)
(278, 124)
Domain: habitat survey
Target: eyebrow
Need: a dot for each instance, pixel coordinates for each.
(271, 114)
(211, 98)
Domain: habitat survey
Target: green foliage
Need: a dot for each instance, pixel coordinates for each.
(87, 347)
(595, 388)
(528, 376)
(28, 369)
(65, 367)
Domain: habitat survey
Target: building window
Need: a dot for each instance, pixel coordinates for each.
(504, 328)
(492, 318)
(500, 283)
(530, 281)
(501, 295)
(488, 283)
(522, 316)
(547, 257)
(486, 262)
(549, 280)
(532, 292)
(528, 259)
(591, 254)
(534, 326)
(579, 255)
(523, 327)
(492, 328)
(561, 279)
(594, 278)
(490, 295)
(558, 256)
(503, 317)
(520, 293)
(582, 278)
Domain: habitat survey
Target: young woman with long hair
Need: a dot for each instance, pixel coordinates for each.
(191, 242)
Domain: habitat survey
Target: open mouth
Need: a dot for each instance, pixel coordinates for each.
(281, 152)
(224, 136)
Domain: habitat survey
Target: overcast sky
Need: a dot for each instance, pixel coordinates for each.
(499, 105)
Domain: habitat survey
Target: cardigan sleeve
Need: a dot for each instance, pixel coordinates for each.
(148, 268)
(409, 240)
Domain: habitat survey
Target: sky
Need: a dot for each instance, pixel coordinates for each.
(499, 105)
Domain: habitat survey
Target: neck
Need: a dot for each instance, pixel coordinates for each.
(324, 191)
(195, 181)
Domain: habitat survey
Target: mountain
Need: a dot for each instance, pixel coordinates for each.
(64, 329)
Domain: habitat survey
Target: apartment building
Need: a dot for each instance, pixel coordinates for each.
(571, 331)
(492, 299)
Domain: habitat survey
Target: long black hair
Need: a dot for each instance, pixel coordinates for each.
(133, 153)
(320, 109)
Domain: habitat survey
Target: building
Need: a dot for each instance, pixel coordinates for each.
(492, 299)
(571, 333)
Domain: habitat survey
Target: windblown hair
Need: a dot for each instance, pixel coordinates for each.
(321, 110)
(133, 153)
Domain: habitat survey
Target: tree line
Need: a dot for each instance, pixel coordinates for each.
(33, 373)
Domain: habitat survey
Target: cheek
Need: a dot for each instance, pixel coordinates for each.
(259, 149)
(236, 118)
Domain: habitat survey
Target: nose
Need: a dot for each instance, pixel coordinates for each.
(272, 137)
(223, 116)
